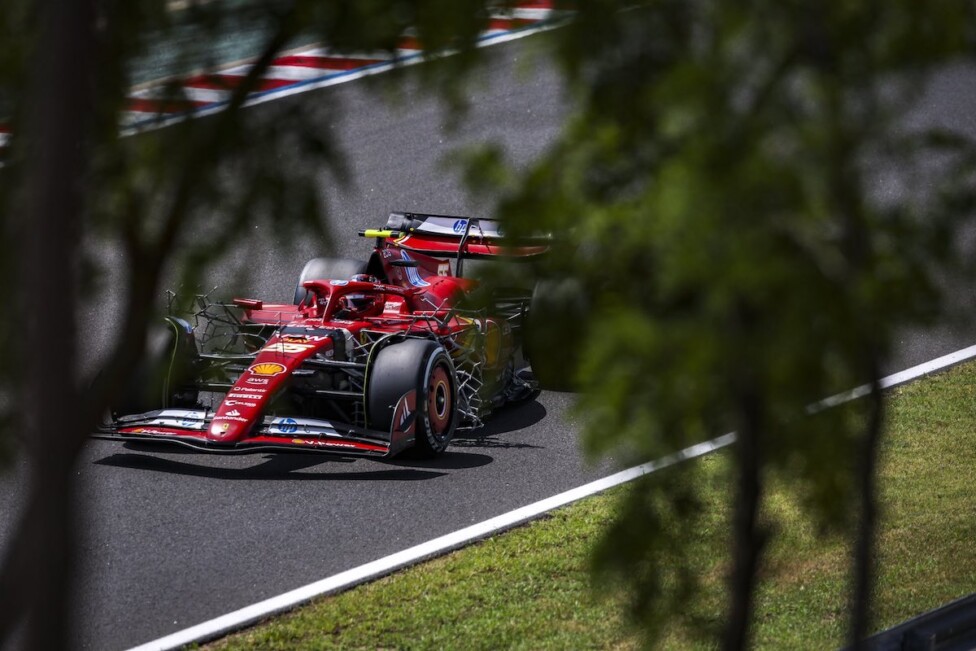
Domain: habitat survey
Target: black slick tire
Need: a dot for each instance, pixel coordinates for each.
(554, 332)
(422, 365)
(165, 375)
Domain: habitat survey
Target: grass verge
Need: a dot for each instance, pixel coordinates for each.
(531, 588)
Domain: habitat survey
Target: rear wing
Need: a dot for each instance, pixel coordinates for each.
(454, 236)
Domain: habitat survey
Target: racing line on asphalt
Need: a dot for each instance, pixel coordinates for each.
(381, 567)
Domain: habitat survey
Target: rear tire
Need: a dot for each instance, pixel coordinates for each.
(417, 365)
(327, 269)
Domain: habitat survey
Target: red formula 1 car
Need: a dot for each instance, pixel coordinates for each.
(372, 357)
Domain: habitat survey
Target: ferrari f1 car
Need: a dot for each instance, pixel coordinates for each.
(372, 357)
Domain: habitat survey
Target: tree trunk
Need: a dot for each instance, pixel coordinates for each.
(38, 566)
(748, 537)
(863, 570)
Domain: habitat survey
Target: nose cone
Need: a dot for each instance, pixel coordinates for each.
(244, 405)
(225, 430)
(235, 417)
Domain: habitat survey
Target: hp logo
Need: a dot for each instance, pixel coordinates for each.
(286, 425)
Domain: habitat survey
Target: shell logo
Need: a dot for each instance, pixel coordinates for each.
(267, 368)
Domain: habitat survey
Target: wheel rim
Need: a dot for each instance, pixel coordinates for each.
(439, 401)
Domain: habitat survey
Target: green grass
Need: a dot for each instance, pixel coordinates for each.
(531, 588)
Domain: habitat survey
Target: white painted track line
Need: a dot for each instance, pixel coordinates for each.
(531, 14)
(186, 91)
(937, 364)
(240, 618)
(294, 73)
(383, 566)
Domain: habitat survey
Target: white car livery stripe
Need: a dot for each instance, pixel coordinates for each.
(455, 226)
(194, 419)
(289, 425)
(413, 276)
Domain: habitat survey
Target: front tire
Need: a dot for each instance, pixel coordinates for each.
(165, 377)
(422, 366)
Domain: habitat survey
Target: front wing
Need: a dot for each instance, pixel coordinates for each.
(188, 427)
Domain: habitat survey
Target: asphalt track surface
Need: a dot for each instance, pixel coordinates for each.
(172, 539)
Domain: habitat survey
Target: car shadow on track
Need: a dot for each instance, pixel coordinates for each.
(451, 459)
(277, 466)
(509, 419)
(289, 465)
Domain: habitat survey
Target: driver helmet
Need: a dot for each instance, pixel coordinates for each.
(356, 304)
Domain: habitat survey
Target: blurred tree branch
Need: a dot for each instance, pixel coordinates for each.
(716, 201)
(51, 202)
